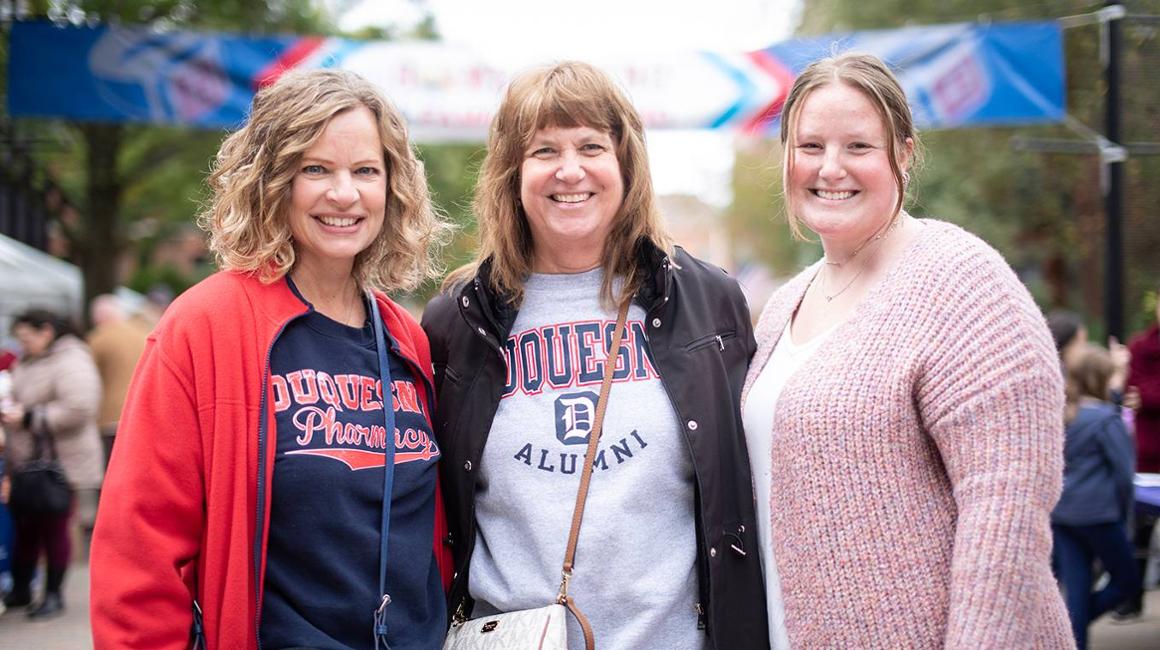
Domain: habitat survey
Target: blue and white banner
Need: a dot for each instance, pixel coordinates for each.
(956, 75)
(962, 74)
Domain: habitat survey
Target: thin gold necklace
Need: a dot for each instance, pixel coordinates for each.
(879, 236)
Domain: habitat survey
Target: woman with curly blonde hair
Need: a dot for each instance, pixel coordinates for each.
(257, 471)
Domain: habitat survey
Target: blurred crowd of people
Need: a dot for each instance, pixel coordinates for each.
(60, 399)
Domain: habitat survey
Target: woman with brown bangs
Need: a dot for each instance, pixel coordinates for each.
(569, 235)
(258, 475)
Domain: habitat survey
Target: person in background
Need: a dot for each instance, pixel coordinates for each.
(5, 528)
(1144, 379)
(248, 484)
(116, 342)
(56, 392)
(7, 359)
(157, 300)
(1088, 522)
(570, 233)
(1071, 340)
(5, 522)
(1070, 336)
(1143, 383)
(904, 405)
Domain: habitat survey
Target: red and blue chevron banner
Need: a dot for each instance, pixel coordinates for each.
(956, 75)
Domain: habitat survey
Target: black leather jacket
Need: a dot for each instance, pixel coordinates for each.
(701, 340)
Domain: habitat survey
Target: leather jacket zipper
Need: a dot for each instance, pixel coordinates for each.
(718, 339)
(702, 553)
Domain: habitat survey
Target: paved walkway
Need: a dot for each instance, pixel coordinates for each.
(1140, 634)
(67, 632)
(71, 631)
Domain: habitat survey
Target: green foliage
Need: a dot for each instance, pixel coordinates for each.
(175, 162)
(123, 177)
(452, 169)
(825, 16)
(1151, 303)
(154, 182)
(425, 30)
(148, 277)
(756, 219)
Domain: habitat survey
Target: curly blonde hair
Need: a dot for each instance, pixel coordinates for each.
(567, 94)
(254, 171)
(870, 76)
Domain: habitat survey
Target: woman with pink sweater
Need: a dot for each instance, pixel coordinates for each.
(903, 410)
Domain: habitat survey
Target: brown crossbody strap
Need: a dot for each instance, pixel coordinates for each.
(586, 471)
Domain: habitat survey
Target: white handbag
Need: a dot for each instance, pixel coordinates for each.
(542, 629)
(545, 628)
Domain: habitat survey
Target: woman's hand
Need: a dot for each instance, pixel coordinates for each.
(1131, 398)
(13, 416)
(1121, 357)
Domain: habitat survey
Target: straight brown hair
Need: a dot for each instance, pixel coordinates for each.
(568, 94)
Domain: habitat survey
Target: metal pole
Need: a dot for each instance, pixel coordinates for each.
(1113, 198)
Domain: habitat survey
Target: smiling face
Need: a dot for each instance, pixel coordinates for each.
(571, 190)
(339, 193)
(33, 340)
(838, 178)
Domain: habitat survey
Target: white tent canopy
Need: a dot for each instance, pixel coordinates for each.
(33, 279)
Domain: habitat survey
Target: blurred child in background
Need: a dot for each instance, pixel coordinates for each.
(1088, 523)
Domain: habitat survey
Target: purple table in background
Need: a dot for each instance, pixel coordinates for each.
(1148, 501)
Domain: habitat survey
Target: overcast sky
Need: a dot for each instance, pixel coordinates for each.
(542, 27)
(696, 162)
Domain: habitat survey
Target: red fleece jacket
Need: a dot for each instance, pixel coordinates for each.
(178, 517)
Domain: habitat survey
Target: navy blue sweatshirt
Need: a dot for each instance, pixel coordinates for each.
(1098, 463)
(322, 570)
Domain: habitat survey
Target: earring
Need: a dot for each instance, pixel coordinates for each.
(905, 180)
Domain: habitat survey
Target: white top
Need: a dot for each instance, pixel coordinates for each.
(757, 416)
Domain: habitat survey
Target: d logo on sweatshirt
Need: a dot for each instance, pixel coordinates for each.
(575, 413)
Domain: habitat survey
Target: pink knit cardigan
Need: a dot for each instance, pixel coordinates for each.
(916, 459)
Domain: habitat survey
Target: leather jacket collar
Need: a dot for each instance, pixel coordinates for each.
(500, 314)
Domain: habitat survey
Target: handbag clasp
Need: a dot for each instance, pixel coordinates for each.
(565, 576)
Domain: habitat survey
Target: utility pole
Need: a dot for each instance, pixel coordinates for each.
(1114, 189)
(1111, 152)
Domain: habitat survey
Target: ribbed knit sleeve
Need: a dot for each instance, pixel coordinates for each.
(991, 397)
